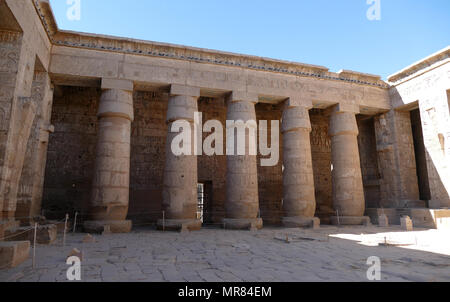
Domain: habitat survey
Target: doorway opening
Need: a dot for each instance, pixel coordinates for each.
(420, 152)
(204, 205)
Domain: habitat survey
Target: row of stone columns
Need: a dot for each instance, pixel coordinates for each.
(109, 203)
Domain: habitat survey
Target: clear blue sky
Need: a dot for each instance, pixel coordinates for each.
(332, 33)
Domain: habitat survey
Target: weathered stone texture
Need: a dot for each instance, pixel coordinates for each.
(71, 152)
(242, 198)
(369, 161)
(299, 201)
(396, 159)
(270, 179)
(148, 141)
(179, 200)
(321, 159)
(29, 196)
(212, 169)
(348, 191)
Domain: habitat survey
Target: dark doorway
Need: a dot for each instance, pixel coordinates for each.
(204, 209)
(420, 152)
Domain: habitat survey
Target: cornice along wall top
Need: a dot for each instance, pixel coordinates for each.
(415, 68)
(162, 50)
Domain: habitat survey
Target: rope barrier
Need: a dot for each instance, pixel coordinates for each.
(16, 235)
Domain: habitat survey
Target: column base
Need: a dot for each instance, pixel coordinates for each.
(301, 222)
(107, 226)
(179, 224)
(13, 253)
(350, 220)
(242, 224)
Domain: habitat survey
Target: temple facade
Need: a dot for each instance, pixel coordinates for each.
(85, 127)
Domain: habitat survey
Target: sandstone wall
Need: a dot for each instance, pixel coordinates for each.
(71, 152)
(369, 162)
(321, 158)
(426, 86)
(29, 195)
(270, 179)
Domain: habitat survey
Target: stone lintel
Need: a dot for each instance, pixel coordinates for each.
(298, 101)
(117, 84)
(176, 89)
(346, 107)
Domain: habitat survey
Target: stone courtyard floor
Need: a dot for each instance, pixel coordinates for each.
(327, 254)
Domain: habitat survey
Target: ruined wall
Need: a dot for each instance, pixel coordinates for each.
(321, 158)
(369, 161)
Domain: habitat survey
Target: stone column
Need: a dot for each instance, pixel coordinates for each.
(242, 200)
(110, 189)
(299, 202)
(29, 196)
(180, 173)
(348, 190)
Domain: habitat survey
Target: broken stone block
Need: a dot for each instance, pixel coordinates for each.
(184, 228)
(383, 221)
(13, 253)
(315, 224)
(406, 223)
(89, 239)
(60, 226)
(77, 253)
(46, 234)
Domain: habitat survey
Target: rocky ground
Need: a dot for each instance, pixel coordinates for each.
(272, 254)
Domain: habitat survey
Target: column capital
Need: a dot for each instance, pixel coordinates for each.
(119, 84)
(343, 123)
(116, 103)
(295, 118)
(243, 96)
(183, 90)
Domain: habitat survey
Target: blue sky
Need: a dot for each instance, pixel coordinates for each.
(332, 33)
